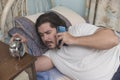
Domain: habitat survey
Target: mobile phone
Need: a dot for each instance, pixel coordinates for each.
(61, 29)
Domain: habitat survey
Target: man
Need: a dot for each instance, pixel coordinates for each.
(92, 53)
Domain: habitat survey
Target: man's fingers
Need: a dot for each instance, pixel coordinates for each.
(11, 40)
(23, 39)
(16, 35)
(59, 38)
(61, 44)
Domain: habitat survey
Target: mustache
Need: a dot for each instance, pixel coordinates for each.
(47, 42)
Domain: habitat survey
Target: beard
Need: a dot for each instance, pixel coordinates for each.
(49, 43)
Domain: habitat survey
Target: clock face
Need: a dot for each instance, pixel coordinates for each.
(17, 49)
(21, 49)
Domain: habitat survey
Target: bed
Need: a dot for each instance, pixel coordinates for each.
(24, 25)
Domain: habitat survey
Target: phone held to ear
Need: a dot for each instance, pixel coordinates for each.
(60, 29)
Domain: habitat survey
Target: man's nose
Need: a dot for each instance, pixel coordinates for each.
(46, 37)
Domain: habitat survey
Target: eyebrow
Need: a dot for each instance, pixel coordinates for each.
(45, 32)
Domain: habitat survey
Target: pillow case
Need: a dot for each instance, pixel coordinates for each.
(34, 17)
(69, 14)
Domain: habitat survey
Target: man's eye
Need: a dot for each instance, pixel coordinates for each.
(41, 35)
(48, 32)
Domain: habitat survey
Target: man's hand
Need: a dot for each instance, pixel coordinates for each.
(66, 38)
(23, 39)
(102, 39)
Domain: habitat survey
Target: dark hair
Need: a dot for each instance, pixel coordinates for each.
(50, 17)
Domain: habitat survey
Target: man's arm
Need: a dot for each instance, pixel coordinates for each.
(43, 63)
(103, 38)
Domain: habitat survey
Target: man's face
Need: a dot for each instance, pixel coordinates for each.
(48, 35)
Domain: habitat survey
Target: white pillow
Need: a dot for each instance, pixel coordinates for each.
(72, 16)
(34, 17)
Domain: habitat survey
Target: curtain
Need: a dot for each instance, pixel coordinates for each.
(105, 13)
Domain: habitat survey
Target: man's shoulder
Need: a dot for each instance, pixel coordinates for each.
(82, 29)
(82, 25)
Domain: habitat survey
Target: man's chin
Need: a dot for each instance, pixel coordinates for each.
(51, 46)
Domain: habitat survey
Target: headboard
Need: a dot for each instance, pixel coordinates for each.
(11, 9)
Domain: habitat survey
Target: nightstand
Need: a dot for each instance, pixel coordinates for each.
(11, 67)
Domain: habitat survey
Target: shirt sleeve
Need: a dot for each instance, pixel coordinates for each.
(82, 29)
(47, 53)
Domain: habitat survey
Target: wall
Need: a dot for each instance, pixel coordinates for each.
(40, 5)
(36, 6)
(76, 5)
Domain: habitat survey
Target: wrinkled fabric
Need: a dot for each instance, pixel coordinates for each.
(52, 74)
(26, 28)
